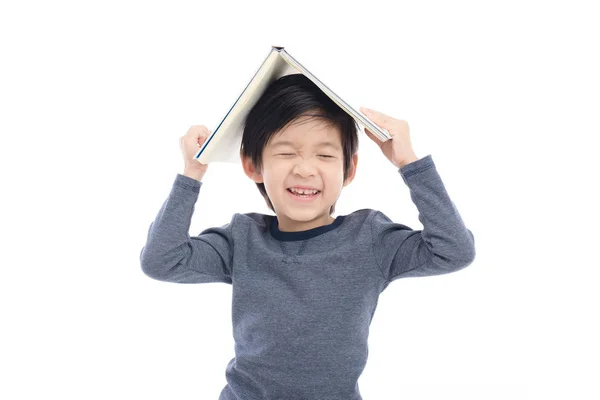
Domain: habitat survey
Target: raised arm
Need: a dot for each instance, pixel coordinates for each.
(443, 246)
(171, 255)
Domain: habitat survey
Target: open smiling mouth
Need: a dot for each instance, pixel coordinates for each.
(309, 195)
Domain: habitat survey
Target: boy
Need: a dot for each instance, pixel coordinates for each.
(305, 285)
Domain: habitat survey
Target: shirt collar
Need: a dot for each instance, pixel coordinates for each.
(302, 235)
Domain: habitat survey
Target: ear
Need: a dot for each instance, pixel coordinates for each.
(352, 171)
(250, 171)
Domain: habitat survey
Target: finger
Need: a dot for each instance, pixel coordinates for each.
(197, 135)
(197, 131)
(381, 119)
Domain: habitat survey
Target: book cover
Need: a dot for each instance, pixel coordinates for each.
(223, 145)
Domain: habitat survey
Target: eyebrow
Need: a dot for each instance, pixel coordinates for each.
(321, 144)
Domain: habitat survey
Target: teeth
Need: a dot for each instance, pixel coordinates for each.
(300, 191)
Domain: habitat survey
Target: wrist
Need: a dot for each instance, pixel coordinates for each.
(412, 158)
(194, 173)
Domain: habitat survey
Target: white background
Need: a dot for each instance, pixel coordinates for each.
(95, 95)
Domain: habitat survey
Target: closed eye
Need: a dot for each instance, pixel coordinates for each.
(291, 154)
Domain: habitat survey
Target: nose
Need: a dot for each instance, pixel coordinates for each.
(304, 167)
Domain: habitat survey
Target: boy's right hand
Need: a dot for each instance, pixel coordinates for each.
(189, 144)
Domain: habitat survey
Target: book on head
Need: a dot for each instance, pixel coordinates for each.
(223, 145)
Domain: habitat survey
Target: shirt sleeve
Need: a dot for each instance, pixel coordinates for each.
(171, 255)
(444, 245)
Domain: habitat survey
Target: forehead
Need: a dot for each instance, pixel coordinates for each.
(312, 133)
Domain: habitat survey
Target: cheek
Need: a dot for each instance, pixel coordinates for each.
(335, 174)
(336, 184)
(273, 179)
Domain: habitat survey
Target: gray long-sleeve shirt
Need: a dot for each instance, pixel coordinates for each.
(303, 301)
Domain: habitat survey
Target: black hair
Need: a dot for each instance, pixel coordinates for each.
(285, 100)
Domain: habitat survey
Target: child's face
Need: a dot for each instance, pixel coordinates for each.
(296, 156)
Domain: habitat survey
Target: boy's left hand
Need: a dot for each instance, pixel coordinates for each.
(399, 148)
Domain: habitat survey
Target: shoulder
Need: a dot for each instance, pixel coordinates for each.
(364, 215)
(252, 219)
(358, 220)
(240, 221)
(375, 219)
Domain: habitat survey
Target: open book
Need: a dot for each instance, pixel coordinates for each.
(223, 145)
